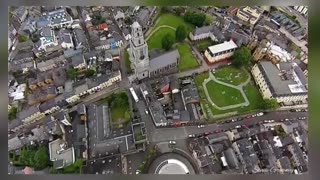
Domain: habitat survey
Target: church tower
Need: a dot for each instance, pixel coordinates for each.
(139, 52)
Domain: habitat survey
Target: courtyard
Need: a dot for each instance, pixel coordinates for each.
(231, 92)
(119, 108)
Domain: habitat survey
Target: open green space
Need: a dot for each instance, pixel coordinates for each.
(119, 107)
(187, 60)
(231, 75)
(223, 95)
(172, 20)
(155, 41)
(250, 90)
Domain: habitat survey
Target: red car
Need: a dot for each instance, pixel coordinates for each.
(206, 133)
(249, 116)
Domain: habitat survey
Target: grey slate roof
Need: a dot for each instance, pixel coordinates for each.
(202, 30)
(164, 60)
(77, 60)
(278, 86)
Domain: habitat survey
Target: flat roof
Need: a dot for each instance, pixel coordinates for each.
(227, 45)
(173, 166)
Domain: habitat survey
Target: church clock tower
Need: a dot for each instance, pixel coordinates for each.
(139, 52)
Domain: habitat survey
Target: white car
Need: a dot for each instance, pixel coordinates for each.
(172, 142)
(271, 121)
(192, 135)
(238, 127)
(200, 126)
(260, 114)
(138, 171)
(146, 111)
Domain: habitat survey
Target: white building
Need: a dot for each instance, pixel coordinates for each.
(220, 52)
(284, 82)
(302, 9)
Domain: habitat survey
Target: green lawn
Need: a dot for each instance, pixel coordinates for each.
(223, 95)
(231, 75)
(154, 42)
(187, 60)
(250, 90)
(120, 114)
(172, 20)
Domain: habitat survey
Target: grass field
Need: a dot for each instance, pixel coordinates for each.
(231, 75)
(172, 20)
(154, 42)
(187, 60)
(250, 90)
(222, 95)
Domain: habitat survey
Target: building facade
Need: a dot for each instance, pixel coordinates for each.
(220, 51)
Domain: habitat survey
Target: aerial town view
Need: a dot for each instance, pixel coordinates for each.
(158, 90)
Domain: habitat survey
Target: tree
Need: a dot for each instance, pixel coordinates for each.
(181, 33)
(179, 10)
(73, 73)
(90, 72)
(270, 104)
(41, 158)
(167, 41)
(13, 113)
(241, 57)
(195, 18)
(128, 20)
(22, 38)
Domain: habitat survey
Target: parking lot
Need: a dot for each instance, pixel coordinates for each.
(108, 165)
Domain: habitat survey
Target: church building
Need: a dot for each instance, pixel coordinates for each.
(141, 63)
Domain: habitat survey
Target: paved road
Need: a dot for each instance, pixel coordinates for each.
(166, 134)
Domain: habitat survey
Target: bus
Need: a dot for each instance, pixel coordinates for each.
(134, 95)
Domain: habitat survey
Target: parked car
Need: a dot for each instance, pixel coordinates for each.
(146, 111)
(138, 171)
(237, 127)
(286, 119)
(201, 126)
(292, 110)
(240, 119)
(207, 133)
(301, 118)
(304, 110)
(266, 121)
(224, 130)
(217, 131)
(233, 120)
(192, 136)
(271, 121)
(249, 116)
(228, 121)
(172, 142)
(260, 114)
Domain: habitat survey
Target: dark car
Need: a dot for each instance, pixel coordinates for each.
(292, 110)
(228, 121)
(240, 118)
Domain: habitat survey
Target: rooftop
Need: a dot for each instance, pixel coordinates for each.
(228, 45)
(164, 60)
(284, 78)
(58, 151)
